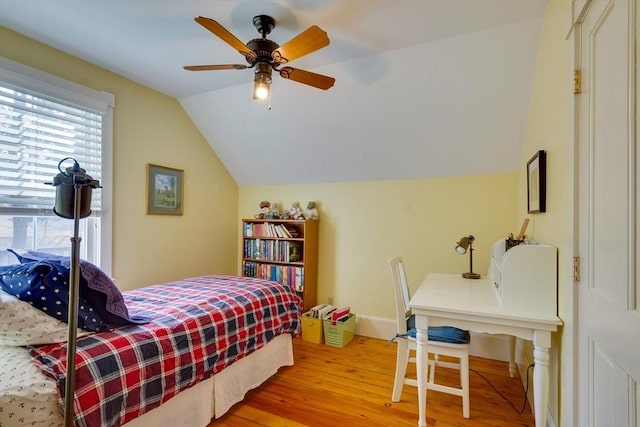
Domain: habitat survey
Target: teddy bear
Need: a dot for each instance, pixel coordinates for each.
(311, 212)
(264, 210)
(295, 212)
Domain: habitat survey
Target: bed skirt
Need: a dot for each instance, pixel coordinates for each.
(191, 407)
(195, 406)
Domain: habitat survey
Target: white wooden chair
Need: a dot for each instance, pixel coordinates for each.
(406, 344)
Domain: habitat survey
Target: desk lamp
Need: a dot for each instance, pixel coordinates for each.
(466, 243)
(73, 201)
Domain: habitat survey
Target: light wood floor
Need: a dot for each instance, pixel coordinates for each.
(351, 386)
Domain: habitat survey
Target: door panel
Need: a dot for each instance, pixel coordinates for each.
(608, 319)
(610, 397)
(608, 146)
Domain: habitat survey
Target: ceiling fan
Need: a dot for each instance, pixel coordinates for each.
(265, 55)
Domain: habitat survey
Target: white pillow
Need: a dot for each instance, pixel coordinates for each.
(21, 324)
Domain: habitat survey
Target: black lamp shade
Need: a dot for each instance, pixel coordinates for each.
(65, 204)
(65, 183)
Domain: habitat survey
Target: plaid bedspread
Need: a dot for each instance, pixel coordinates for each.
(200, 325)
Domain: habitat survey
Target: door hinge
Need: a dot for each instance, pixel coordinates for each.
(577, 81)
(576, 268)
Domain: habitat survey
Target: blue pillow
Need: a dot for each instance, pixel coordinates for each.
(95, 287)
(448, 334)
(45, 285)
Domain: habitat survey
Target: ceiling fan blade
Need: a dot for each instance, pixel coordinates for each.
(310, 40)
(307, 77)
(214, 67)
(225, 35)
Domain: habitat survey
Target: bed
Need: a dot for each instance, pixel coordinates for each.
(196, 346)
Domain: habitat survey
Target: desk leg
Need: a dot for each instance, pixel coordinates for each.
(421, 366)
(541, 343)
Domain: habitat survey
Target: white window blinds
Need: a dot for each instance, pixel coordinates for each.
(44, 119)
(36, 132)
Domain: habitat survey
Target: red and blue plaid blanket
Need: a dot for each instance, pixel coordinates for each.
(199, 326)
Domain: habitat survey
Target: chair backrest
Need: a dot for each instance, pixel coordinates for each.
(401, 291)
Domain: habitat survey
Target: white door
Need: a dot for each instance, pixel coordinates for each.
(608, 214)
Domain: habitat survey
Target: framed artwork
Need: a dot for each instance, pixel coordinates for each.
(537, 183)
(164, 190)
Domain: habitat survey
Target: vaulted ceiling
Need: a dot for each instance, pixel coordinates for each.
(424, 88)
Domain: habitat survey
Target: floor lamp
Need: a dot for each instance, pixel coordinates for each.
(73, 201)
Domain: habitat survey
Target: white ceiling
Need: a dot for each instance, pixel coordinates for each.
(424, 88)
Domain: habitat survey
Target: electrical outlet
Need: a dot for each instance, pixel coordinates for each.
(330, 301)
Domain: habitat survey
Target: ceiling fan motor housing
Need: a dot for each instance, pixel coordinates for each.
(262, 48)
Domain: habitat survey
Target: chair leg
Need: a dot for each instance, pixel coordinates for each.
(512, 356)
(431, 366)
(464, 382)
(402, 360)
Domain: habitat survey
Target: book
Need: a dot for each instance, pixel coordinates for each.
(293, 232)
(282, 232)
(340, 315)
(320, 311)
(299, 279)
(294, 253)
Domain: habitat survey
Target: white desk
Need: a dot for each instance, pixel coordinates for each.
(449, 299)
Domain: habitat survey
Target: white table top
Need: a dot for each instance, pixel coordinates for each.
(450, 295)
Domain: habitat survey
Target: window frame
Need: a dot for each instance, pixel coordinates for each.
(103, 102)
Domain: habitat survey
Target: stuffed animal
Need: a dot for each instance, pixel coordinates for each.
(274, 212)
(295, 212)
(311, 212)
(264, 210)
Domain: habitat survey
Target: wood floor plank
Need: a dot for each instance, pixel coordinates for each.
(352, 386)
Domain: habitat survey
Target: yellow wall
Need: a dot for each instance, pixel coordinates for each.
(363, 224)
(548, 129)
(150, 127)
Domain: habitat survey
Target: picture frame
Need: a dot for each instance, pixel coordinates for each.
(165, 188)
(537, 183)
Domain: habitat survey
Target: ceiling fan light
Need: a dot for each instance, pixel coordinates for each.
(261, 86)
(261, 91)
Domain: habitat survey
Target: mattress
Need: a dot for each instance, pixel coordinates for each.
(29, 398)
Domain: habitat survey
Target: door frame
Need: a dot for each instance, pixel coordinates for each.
(571, 356)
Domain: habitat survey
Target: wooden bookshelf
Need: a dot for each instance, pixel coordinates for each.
(284, 250)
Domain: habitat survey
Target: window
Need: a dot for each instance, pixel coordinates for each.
(44, 119)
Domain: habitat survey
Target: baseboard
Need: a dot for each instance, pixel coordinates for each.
(482, 345)
(375, 327)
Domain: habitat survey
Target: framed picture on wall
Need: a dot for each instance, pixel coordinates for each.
(537, 183)
(164, 190)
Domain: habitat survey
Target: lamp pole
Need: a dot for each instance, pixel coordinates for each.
(471, 274)
(74, 291)
(70, 187)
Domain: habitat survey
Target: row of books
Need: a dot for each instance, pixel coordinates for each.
(269, 229)
(329, 312)
(288, 275)
(273, 250)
